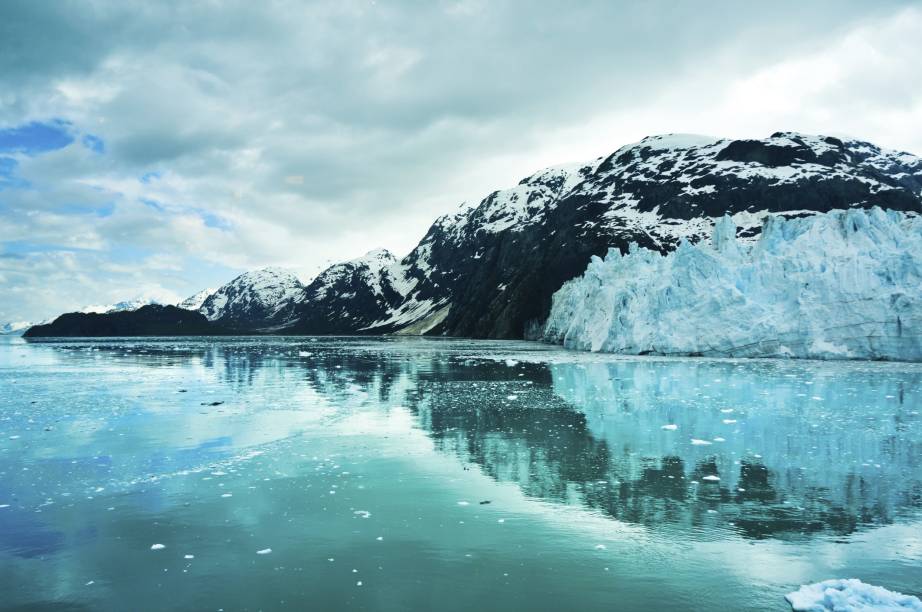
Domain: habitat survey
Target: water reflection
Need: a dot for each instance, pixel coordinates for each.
(762, 449)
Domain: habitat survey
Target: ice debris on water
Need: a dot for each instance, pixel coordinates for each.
(157, 547)
(362, 513)
(697, 442)
(264, 551)
(670, 427)
(850, 595)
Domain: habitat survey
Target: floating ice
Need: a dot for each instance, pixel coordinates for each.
(839, 285)
(697, 442)
(850, 595)
(188, 556)
(464, 503)
(362, 513)
(157, 547)
(711, 477)
(670, 427)
(264, 551)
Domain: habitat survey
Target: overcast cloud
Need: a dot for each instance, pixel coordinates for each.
(152, 149)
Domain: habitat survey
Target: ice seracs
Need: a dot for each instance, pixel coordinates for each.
(845, 284)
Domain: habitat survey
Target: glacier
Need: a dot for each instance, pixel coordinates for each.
(846, 284)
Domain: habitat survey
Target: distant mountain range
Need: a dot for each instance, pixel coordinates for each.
(490, 269)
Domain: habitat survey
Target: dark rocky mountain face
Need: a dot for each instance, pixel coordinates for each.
(152, 320)
(494, 267)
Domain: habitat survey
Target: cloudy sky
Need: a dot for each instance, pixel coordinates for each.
(153, 149)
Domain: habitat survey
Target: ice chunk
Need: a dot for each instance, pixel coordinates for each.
(670, 427)
(697, 442)
(157, 547)
(264, 551)
(839, 285)
(850, 595)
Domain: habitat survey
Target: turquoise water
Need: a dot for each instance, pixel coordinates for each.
(397, 474)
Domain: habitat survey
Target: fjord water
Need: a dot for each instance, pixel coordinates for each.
(396, 474)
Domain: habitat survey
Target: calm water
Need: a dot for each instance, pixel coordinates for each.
(453, 475)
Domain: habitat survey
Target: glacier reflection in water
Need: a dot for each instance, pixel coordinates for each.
(511, 473)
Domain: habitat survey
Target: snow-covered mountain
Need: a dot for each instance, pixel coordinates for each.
(119, 306)
(194, 302)
(350, 297)
(14, 328)
(844, 284)
(255, 300)
(489, 270)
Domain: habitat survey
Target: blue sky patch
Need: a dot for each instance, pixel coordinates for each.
(213, 220)
(153, 204)
(94, 143)
(8, 178)
(36, 137)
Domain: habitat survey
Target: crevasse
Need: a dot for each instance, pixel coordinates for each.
(841, 285)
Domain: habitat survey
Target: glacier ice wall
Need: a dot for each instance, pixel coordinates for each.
(841, 285)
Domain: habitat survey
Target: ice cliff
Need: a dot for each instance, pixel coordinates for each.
(841, 285)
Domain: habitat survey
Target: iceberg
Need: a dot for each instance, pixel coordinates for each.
(846, 284)
(850, 595)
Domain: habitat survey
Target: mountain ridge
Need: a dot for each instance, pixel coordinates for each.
(489, 269)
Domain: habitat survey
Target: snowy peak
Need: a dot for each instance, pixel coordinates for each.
(253, 299)
(119, 306)
(376, 257)
(365, 269)
(194, 302)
